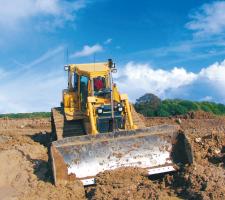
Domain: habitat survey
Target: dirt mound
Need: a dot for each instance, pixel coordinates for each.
(198, 182)
(208, 140)
(125, 183)
(199, 115)
(25, 172)
(14, 173)
(137, 118)
(48, 191)
(205, 179)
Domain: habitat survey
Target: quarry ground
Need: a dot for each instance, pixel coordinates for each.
(25, 172)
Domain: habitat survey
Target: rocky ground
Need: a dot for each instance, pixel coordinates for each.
(25, 172)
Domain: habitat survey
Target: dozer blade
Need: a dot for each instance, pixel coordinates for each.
(158, 149)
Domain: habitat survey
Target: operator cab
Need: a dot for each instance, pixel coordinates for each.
(92, 80)
(98, 86)
(101, 88)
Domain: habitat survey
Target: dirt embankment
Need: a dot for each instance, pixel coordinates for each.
(25, 172)
(205, 179)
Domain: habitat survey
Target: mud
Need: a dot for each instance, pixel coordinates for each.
(25, 172)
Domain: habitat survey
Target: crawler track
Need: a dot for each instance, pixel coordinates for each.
(62, 128)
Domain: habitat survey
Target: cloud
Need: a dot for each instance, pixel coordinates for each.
(108, 41)
(187, 50)
(137, 79)
(214, 76)
(36, 86)
(207, 98)
(45, 56)
(51, 12)
(2, 73)
(88, 50)
(214, 72)
(208, 20)
(39, 89)
(208, 25)
(35, 92)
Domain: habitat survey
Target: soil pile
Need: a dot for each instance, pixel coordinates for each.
(25, 172)
(199, 182)
(125, 183)
(205, 179)
(199, 115)
(207, 137)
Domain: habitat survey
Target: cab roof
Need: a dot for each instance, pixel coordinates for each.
(91, 69)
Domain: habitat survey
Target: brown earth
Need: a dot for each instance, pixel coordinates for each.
(125, 183)
(24, 168)
(24, 126)
(25, 172)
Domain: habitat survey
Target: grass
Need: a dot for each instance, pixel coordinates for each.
(26, 115)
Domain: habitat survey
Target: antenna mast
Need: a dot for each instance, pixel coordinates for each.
(94, 60)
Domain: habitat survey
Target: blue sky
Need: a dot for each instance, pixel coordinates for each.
(174, 49)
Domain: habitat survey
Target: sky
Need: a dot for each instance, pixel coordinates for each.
(174, 49)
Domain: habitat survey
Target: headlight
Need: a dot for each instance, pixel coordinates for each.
(66, 67)
(100, 111)
(120, 109)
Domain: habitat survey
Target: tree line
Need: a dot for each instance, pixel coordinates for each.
(150, 105)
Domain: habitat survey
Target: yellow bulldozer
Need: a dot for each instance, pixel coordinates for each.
(97, 129)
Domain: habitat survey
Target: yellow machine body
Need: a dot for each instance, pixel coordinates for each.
(94, 130)
(73, 99)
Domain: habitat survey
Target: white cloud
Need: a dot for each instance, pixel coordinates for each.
(214, 72)
(88, 50)
(207, 98)
(108, 41)
(33, 92)
(137, 79)
(36, 86)
(214, 76)
(45, 56)
(209, 19)
(39, 89)
(14, 12)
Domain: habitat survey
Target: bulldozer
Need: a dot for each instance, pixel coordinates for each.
(96, 128)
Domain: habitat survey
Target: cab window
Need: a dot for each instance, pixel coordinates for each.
(75, 82)
(99, 83)
(83, 91)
